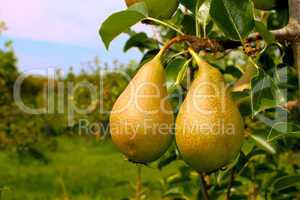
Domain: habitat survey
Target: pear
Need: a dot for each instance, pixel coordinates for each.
(209, 127)
(141, 121)
(163, 9)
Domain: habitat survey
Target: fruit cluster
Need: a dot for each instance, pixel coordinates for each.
(208, 129)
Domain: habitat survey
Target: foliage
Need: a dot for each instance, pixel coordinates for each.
(22, 131)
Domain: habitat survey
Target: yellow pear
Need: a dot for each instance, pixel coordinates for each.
(141, 120)
(209, 127)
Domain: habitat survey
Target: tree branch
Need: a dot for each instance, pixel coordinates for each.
(231, 180)
(292, 105)
(291, 32)
(294, 11)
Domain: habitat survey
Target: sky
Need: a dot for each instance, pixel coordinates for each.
(61, 33)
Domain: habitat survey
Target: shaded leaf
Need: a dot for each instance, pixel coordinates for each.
(278, 19)
(191, 5)
(285, 182)
(264, 32)
(265, 93)
(188, 24)
(167, 160)
(148, 56)
(141, 41)
(283, 129)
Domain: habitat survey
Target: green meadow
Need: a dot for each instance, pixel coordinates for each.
(80, 168)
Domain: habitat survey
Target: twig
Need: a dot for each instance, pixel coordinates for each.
(290, 32)
(231, 180)
(291, 105)
(203, 187)
(196, 43)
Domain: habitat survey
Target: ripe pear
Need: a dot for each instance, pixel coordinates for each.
(163, 9)
(141, 121)
(209, 127)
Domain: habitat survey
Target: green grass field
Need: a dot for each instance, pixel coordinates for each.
(79, 168)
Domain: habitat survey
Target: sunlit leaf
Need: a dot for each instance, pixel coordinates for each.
(233, 17)
(248, 147)
(120, 22)
(261, 142)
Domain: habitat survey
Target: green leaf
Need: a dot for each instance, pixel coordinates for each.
(278, 19)
(261, 142)
(120, 22)
(149, 55)
(172, 70)
(141, 41)
(182, 73)
(248, 147)
(188, 24)
(265, 93)
(167, 159)
(191, 4)
(285, 182)
(264, 32)
(233, 17)
(283, 129)
(140, 7)
(174, 193)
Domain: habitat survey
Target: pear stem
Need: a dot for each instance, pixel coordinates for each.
(171, 42)
(203, 187)
(199, 61)
(138, 188)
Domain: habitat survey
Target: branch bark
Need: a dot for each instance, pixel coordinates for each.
(294, 11)
(291, 105)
